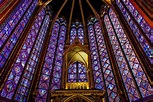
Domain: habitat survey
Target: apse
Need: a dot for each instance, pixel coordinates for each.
(76, 50)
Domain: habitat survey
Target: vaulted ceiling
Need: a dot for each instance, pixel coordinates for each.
(76, 8)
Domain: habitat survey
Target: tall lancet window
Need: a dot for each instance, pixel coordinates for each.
(50, 76)
(77, 31)
(129, 12)
(140, 20)
(102, 71)
(13, 29)
(74, 70)
(23, 68)
(73, 33)
(133, 76)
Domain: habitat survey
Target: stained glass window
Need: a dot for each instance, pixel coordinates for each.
(104, 59)
(21, 61)
(82, 73)
(97, 72)
(13, 21)
(81, 34)
(73, 34)
(23, 88)
(53, 53)
(122, 64)
(11, 42)
(148, 50)
(137, 16)
(10, 16)
(44, 80)
(72, 72)
(56, 81)
(128, 63)
(77, 72)
(77, 30)
(106, 66)
(133, 61)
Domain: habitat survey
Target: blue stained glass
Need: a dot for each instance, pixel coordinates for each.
(14, 37)
(12, 22)
(77, 72)
(118, 54)
(107, 70)
(131, 57)
(99, 83)
(72, 71)
(21, 60)
(73, 35)
(81, 35)
(77, 30)
(82, 73)
(43, 85)
(32, 61)
(147, 49)
(58, 63)
(144, 25)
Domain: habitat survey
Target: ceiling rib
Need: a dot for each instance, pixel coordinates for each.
(82, 14)
(59, 11)
(69, 25)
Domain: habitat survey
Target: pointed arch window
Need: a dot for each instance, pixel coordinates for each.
(7, 27)
(102, 71)
(22, 60)
(128, 63)
(50, 77)
(73, 34)
(7, 45)
(140, 20)
(28, 74)
(77, 30)
(136, 31)
(56, 81)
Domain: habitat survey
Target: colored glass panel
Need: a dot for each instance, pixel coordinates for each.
(6, 31)
(56, 81)
(18, 67)
(147, 49)
(77, 72)
(23, 88)
(44, 81)
(106, 66)
(81, 35)
(127, 78)
(73, 35)
(77, 30)
(82, 73)
(10, 16)
(72, 72)
(6, 51)
(97, 72)
(133, 61)
(138, 17)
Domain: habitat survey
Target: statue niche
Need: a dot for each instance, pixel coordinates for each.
(77, 78)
